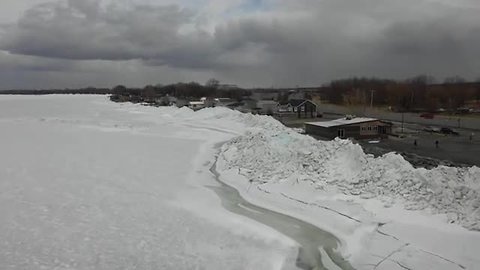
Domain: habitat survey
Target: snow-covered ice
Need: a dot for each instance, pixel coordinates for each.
(90, 184)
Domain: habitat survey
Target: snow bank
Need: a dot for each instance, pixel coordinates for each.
(272, 153)
(224, 114)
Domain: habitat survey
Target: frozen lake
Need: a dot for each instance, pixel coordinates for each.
(89, 184)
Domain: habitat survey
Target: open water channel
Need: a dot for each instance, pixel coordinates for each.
(317, 248)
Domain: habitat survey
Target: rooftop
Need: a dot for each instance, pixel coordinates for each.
(342, 122)
(267, 101)
(196, 103)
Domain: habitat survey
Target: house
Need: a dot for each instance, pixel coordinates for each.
(208, 102)
(350, 127)
(301, 106)
(166, 100)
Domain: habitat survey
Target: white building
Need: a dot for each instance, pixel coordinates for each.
(196, 105)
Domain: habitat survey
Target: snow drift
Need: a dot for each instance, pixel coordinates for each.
(271, 153)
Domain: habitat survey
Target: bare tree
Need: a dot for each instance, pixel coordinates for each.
(120, 90)
(148, 93)
(212, 83)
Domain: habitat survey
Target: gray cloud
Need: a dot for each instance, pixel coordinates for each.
(38, 74)
(85, 30)
(303, 42)
(14, 63)
(333, 39)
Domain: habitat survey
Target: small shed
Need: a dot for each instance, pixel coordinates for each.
(196, 105)
(224, 102)
(350, 127)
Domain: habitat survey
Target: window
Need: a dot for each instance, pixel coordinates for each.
(341, 133)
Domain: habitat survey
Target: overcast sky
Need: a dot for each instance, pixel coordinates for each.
(79, 43)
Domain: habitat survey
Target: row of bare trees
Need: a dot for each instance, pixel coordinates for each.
(179, 90)
(418, 93)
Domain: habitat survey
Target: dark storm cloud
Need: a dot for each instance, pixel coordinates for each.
(12, 63)
(432, 38)
(292, 42)
(84, 30)
(333, 39)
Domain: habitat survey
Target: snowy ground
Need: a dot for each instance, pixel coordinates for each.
(90, 184)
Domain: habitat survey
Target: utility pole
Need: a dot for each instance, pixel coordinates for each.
(402, 120)
(411, 100)
(371, 98)
(404, 106)
(364, 97)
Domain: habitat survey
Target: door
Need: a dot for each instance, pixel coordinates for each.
(382, 130)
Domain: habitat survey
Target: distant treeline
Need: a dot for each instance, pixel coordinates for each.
(416, 93)
(181, 90)
(84, 91)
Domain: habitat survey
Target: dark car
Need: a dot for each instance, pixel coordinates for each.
(446, 130)
(427, 115)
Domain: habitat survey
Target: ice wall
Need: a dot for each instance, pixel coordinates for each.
(271, 153)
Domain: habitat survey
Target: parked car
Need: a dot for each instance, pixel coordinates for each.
(446, 130)
(464, 110)
(431, 129)
(427, 115)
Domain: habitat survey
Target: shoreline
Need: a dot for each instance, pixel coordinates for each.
(368, 232)
(313, 253)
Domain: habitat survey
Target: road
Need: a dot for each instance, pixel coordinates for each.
(454, 121)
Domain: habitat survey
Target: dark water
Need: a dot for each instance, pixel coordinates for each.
(309, 237)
